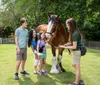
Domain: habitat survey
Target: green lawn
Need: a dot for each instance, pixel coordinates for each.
(90, 67)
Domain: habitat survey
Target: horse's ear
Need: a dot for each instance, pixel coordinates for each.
(49, 15)
(57, 17)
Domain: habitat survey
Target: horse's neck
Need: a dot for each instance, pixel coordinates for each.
(63, 34)
(60, 36)
(61, 29)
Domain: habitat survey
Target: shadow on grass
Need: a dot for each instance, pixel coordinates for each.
(62, 78)
(45, 80)
(25, 81)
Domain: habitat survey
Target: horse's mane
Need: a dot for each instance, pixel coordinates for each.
(59, 21)
(62, 25)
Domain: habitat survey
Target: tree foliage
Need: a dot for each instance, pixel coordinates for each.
(85, 12)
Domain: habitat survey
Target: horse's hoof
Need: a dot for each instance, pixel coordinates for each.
(54, 71)
(63, 70)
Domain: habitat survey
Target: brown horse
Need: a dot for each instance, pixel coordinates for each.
(42, 27)
(57, 35)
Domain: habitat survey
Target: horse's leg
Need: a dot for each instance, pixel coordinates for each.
(54, 69)
(59, 61)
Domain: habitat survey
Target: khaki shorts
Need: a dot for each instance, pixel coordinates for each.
(22, 55)
(76, 57)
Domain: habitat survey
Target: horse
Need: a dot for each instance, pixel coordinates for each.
(42, 28)
(56, 35)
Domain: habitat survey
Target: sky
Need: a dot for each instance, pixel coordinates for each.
(1, 7)
(0, 2)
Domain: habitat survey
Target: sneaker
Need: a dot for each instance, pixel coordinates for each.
(81, 82)
(16, 76)
(35, 71)
(40, 73)
(24, 73)
(45, 73)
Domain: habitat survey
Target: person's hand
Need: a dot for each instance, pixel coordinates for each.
(36, 55)
(61, 46)
(39, 54)
(67, 44)
(35, 52)
(18, 51)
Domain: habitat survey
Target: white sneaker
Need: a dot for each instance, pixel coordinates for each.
(35, 71)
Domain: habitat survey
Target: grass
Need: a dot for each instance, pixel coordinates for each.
(90, 67)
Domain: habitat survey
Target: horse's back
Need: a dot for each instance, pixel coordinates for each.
(42, 27)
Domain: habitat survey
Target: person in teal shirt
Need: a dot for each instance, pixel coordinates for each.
(32, 42)
(21, 36)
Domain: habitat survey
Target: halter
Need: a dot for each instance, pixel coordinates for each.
(52, 32)
(49, 33)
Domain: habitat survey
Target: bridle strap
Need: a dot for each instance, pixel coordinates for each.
(49, 33)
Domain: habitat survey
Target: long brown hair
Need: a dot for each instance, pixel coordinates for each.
(31, 37)
(73, 27)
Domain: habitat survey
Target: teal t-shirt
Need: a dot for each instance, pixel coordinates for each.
(34, 44)
(22, 35)
(77, 38)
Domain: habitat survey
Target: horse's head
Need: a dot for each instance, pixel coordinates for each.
(52, 22)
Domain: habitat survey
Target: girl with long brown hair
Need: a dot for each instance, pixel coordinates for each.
(75, 39)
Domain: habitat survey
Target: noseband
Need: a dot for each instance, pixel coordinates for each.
(53, 31)
(49, 33)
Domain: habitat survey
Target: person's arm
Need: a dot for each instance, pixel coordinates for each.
(38, 48)
(46, 40)
(68, 44)
(16, 42)
(69, 47)
(27, 37)
(34, 51)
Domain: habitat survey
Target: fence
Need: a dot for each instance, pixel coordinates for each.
(91, 44)
(7, 40)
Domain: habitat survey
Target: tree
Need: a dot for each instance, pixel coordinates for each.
(85, 12)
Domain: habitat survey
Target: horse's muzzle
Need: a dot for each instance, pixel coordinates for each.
(48, 35)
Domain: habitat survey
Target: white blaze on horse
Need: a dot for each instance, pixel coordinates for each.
(57, 35)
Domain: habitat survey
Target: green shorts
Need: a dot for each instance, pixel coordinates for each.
(43, 55)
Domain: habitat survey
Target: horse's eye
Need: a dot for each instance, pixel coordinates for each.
(55, 21)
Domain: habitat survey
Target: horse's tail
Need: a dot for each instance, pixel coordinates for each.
(69, 51)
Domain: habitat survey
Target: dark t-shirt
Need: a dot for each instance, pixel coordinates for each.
(77, 38)
(42, 46)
